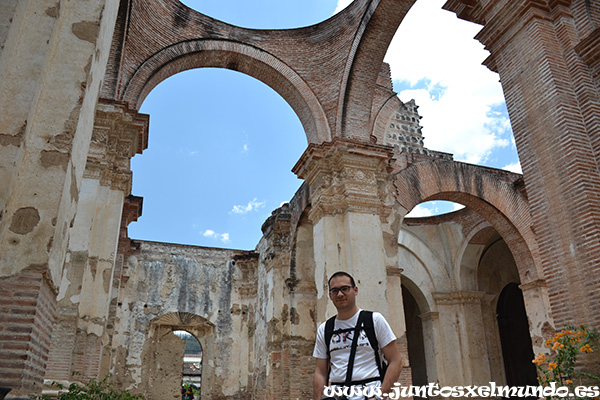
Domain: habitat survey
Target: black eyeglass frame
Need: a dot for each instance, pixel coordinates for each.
(344, 289)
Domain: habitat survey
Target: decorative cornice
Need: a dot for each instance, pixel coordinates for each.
(119, 133)
(463, 297)
(345, 175)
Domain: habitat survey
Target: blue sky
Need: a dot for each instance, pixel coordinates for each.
(222, 144)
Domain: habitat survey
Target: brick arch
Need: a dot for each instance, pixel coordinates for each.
(379, 24)
(238, 57)
(495, 195)
(193, 323)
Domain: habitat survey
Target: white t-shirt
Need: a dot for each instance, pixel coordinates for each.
(365, 366)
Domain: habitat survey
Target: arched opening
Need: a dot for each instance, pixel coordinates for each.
(514, 336)
(191, 380)
(229, 151)
(414, 338)
(266, 14)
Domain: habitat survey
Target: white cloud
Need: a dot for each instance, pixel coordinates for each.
(516, 167)
(433, 49)
(341, 4)
(223, 237)
(253, 204)
(245, 148)
(209, 233)
(420, 210)
(431, 208)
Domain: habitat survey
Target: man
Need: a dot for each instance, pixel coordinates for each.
(332, 365)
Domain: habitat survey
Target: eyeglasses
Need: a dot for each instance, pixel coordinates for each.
(343, 289)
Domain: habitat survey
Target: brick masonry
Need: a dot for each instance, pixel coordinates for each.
(27, 309)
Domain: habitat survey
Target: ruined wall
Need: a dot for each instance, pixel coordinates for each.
(201, 290)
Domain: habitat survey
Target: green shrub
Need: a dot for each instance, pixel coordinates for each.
(92, 390)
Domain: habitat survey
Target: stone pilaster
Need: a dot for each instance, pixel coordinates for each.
(350, 208)
(85, 293)
(460, 319)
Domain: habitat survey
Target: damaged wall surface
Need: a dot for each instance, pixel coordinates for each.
(493, 280)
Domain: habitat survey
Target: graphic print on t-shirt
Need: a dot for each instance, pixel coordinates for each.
(342, 339)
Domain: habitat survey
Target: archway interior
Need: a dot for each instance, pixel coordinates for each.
(192, 363)
(221, 148)
(414, 338)
(514, 335)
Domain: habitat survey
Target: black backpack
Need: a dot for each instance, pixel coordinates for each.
(365, 321)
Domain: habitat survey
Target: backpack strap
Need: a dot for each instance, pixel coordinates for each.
(329, 325)
(350, 368)
(367, 321)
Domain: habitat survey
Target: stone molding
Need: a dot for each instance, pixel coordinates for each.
(345, 176)
(430, 315)
(462, 297)
(394, 271)
(538, 283)
(119, 133)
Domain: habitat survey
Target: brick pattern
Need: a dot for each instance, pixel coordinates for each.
(155, 40)
(493, 194)
(60, 356)
(543, 53)
(27, 310)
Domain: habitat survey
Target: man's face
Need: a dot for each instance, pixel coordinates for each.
(341, 300)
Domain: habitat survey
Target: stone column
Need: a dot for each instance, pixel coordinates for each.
(462, 333)
(546, 55)
(397, 320)
(350, 207)
(535, 296)
(85, 292)
(431, 343)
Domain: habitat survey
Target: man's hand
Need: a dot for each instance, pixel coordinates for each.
(394, 358)
(320, 379)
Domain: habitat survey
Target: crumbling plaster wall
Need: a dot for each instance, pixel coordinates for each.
(205, 282)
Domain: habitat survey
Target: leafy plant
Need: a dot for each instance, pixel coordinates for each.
(565, 346)
(92, 390)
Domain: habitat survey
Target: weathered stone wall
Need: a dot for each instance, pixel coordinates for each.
(201, 290)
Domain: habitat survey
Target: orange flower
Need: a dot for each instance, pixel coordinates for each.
(552, 365)
(539, 359)
(586, 349)
(568, 381)
(558, 345)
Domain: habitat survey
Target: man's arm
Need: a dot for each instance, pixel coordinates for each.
(320, 379)
(394, 358)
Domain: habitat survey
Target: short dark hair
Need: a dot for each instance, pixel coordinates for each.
(341, 273)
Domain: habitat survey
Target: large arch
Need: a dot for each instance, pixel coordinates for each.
(236, 56)
(377, 29)
(493, 194)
